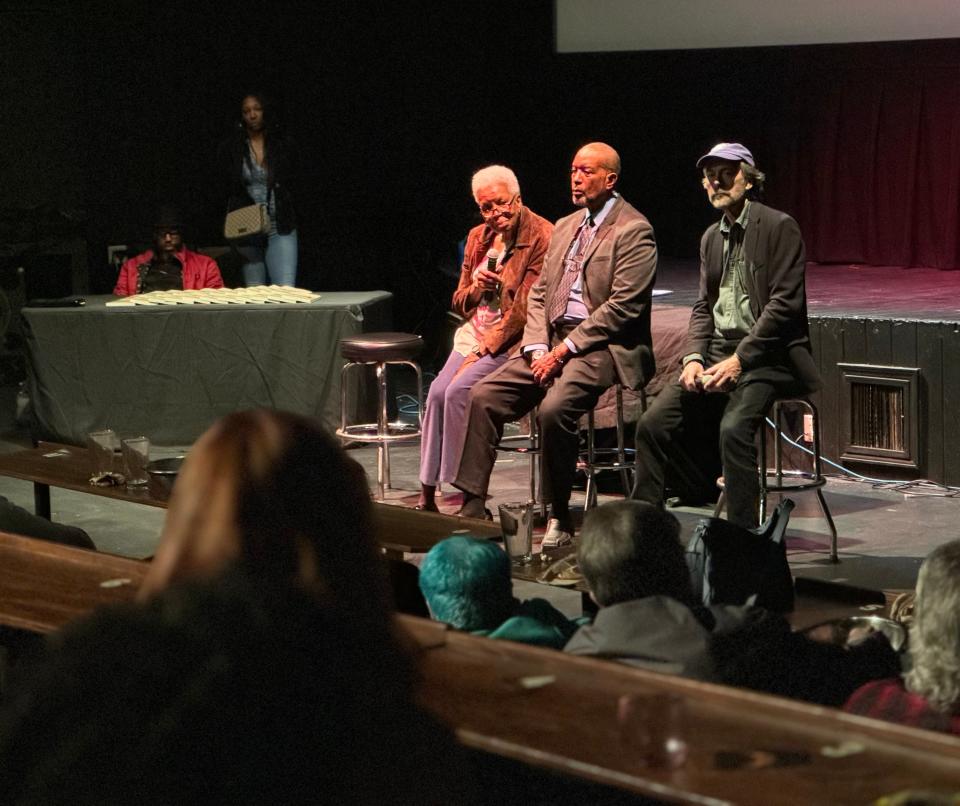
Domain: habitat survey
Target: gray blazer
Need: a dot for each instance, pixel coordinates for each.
(618, 271)
(774, 256)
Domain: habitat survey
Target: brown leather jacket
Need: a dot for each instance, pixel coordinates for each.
(519, 270)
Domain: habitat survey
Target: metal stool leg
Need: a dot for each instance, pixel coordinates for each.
(383, 452)
(834, 556)
(625, 480)
(590, 491)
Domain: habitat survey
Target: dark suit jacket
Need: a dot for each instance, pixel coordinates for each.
(518, 271)
(618, 274)
(774, 259)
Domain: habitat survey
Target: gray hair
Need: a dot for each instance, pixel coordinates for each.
(629, 550)
(495, 175)
(754, 176)
(935, 632)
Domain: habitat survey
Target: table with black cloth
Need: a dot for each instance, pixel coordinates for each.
(168, 372)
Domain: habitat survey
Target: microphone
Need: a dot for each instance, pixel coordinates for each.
(492, 257)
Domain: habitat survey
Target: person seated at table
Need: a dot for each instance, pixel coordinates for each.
(169, 265)
(928, 695)
(633, 562)
(466, 582)
(501, 261)
(240, 689)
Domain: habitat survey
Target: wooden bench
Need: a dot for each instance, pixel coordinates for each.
(44, 585)
(51, 464)
(565, 722)
(744, 747)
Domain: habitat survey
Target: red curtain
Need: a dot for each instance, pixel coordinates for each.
(869, 161)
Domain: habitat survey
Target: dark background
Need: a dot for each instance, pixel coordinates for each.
(111, 108)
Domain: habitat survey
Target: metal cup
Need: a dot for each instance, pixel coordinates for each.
(136, 455)
(100, 448)
(516, 523)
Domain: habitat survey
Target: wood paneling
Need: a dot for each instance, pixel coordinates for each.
(933, 347)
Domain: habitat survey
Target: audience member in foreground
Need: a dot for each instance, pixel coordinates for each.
(927, 696)
(263, 666)
(276, 493)
(240, 689)
(633, 563)
(632, 560)
(466, 582)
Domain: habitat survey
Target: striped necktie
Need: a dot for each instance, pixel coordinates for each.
(572, 266)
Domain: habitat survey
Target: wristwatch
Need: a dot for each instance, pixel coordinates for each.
(536, 355)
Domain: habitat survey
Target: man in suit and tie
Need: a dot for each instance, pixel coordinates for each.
(588, 327)
(747, 344)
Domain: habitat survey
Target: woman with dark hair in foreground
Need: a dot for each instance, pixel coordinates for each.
(263, 666)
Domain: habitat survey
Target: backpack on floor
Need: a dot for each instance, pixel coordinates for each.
(736, 566)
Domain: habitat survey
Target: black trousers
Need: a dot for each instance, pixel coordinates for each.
(685, 433)
(507, 394)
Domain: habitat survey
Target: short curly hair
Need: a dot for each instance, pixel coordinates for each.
(495, 175)
(466, 582)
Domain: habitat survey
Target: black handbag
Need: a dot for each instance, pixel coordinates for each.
(736, 566)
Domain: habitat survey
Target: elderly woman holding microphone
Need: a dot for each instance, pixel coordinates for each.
(501, 262)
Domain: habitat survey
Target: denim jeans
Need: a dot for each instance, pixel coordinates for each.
(272, 254)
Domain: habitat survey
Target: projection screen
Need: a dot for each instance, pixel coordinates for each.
(617, 25)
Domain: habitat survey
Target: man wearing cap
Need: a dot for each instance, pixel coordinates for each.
(169, 265)
(588, 327)
(747, 344)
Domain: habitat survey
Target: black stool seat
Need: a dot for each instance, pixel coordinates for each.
(381, 347)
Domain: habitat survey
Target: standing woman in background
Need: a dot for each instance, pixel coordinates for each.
(259, 162)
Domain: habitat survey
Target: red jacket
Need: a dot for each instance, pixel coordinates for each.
(199, 271)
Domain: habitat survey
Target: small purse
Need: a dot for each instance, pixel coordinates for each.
(245, 221)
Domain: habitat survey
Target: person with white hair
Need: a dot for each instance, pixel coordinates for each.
(928, 695)
(501, 261)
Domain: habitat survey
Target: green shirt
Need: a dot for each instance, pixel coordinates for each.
(732, 316)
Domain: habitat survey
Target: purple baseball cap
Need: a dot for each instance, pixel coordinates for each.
(735, 152)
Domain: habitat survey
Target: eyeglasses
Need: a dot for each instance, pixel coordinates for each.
(489, 209)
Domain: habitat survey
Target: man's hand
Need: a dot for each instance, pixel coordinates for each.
(691, 375)
(549, 365)
(471, 358)
(486, 280)
(722, 377)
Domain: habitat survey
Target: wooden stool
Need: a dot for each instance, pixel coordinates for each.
(380, 350)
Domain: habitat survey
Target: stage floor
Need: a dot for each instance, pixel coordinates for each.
(874, 292)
